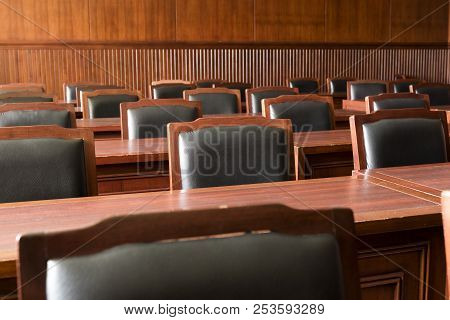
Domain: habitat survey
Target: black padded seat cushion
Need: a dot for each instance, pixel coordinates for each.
(439, 96)
(224, 156)
(256, 267)
(170, 91)
(16, 118)
(305, 86)
(404, 142)
(403, 103)
(359, 91)
(257, 97)
(108, 106)
(216, 103)
(25, 99)
(151, 122)
(39, 169)
(338, 86)
(304, 115)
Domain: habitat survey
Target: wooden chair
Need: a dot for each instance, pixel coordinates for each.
(149, 118)
(208, 83)
(399, 138)
(46, 162)
(21, 87)
(439, 93)
(307, 112)
(79, 89)
(337, 87)
(357, 91)
(216, 100)
(105, 103)
(241, 86)
(230, 151)
(446, 226)
(304, 85)
(70, 90)
(26, 97)
(255, 96)
(169, 89)
(388, 101)
(254, 252)
(402, 85)
(39, 113)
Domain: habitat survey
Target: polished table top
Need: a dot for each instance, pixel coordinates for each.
(430, 179)
(115, 151)
(377, 208)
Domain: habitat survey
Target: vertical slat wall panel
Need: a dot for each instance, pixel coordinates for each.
(137, 67)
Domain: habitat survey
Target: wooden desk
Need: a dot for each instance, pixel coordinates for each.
(103, 128)
(323, 154)
(400, 246)
(125, 166)
(425, 181)
(354, 105)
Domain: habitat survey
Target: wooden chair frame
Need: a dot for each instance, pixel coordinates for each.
(237, 93)
(174, 130)
(370, 100)
(356, 128)
(393, 82)
(30, 132)
(27, 94)
(36, 249)
(301, 97)
(125, 106)
(76, 84)
(82, 87)
(445, 203)
(249, 92)
(104, 92)
(317, 80)
(159, 83)
(329, 79)
(349, 84)
(24, 87)
(42, 106)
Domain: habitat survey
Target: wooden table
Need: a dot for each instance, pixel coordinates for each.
(400, 236)
(425, 181)
(103, 128)
(125, 166)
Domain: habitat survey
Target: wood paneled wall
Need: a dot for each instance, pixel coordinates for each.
(136, 66)
(339, 21)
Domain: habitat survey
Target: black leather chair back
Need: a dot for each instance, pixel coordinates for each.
(403, 86)
(338, 86)
(79, 89)
(24, 99)
(208, 83)
(233, 155)
(170, 91)
(42, 168)
(237, 86)
(360, 90)
(399, 103)
(17, 118)
(404, 142)
(257, 98)
(108, 106)
(305, 85)
(151, 122)
(304, 115)
(217, 103)
(255, 266)
(439, 96)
